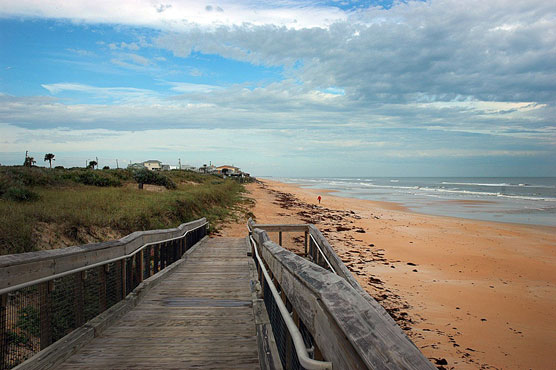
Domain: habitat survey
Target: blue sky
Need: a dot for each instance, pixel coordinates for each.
(285, 88)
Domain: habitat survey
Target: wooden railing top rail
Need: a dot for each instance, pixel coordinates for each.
(280, 227)
(350, 330)
(333, 259)
(16, 269)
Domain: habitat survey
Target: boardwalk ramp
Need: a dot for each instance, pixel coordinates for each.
(174, 298)
(200, 316)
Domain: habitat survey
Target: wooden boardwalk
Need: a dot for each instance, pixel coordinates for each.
(200, 316)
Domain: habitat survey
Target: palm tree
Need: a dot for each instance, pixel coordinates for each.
(29, 161)
(49, 157)
(92, 164)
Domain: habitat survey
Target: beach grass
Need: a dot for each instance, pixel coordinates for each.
(69, 209)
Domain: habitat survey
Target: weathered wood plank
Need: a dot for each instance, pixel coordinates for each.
(199, 317)
(281, 228)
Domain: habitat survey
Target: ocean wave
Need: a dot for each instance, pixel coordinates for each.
(428, 191)
(498, 185)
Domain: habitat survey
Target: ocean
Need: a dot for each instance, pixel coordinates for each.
(525, 200)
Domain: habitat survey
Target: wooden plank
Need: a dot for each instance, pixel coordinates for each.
(282, 227)
(188, 320)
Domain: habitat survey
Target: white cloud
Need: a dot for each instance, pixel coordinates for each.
(180, 14)
(121, 95)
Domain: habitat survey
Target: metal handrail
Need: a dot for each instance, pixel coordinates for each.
(297, 339)
(322, 253)
(83, 268)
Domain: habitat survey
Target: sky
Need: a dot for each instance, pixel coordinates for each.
(283, 88)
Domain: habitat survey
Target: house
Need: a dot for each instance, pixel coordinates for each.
(207, 169)
(227, 170)
(135, 166)
(188, 167)
(153, 165)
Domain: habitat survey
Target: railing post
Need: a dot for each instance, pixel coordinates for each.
(306, 236)
(3, 329)
(163, 256)
(156, 258)
(175, 249)
(124, 278)
(45, 313)
(279, 238)
(141, 267)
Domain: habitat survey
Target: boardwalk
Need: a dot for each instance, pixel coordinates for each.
(201, 316)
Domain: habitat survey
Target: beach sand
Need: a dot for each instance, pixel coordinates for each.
(470, 294)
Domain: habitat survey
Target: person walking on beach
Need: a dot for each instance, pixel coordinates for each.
(319, 198)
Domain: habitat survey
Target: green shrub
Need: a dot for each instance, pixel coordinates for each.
(145, 176)
(91, 177)
(20, 194)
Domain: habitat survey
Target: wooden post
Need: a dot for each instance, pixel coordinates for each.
(102, 288)
(306, 236)
(279, 238)
(118, 279)
(155, 258)
(148, 262)
(3, 329)
(124, 278)
(79, 298)
(141, 267)
(162, 255)
(182, 247)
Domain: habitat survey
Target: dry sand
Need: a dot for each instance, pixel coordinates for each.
(475, 294)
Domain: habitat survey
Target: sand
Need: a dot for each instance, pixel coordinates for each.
(470, 294)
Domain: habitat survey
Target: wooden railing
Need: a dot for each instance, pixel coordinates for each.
(339, 321)
(46, 295)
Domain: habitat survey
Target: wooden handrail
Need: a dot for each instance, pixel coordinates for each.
(350, 328)
(17, 269)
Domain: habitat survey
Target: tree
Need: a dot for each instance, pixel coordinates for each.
(29, 161)
(92, 164)
(49, 157)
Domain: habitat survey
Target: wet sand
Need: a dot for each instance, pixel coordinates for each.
(470, 294)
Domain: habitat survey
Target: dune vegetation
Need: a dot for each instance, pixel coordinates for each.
(50, 208)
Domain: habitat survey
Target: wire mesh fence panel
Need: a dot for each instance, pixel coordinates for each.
(20, 326)
(114, 290)
(34, 317)
(91, 297)
(284, 342)
(66, 305)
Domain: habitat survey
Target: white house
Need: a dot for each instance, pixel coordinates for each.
(153, 164)
(227, 170)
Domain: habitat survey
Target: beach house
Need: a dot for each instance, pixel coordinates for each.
(152, 165)
(227, 170)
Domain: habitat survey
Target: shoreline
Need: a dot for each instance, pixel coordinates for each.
(394, 206)
(484, 210)
(469, 293)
